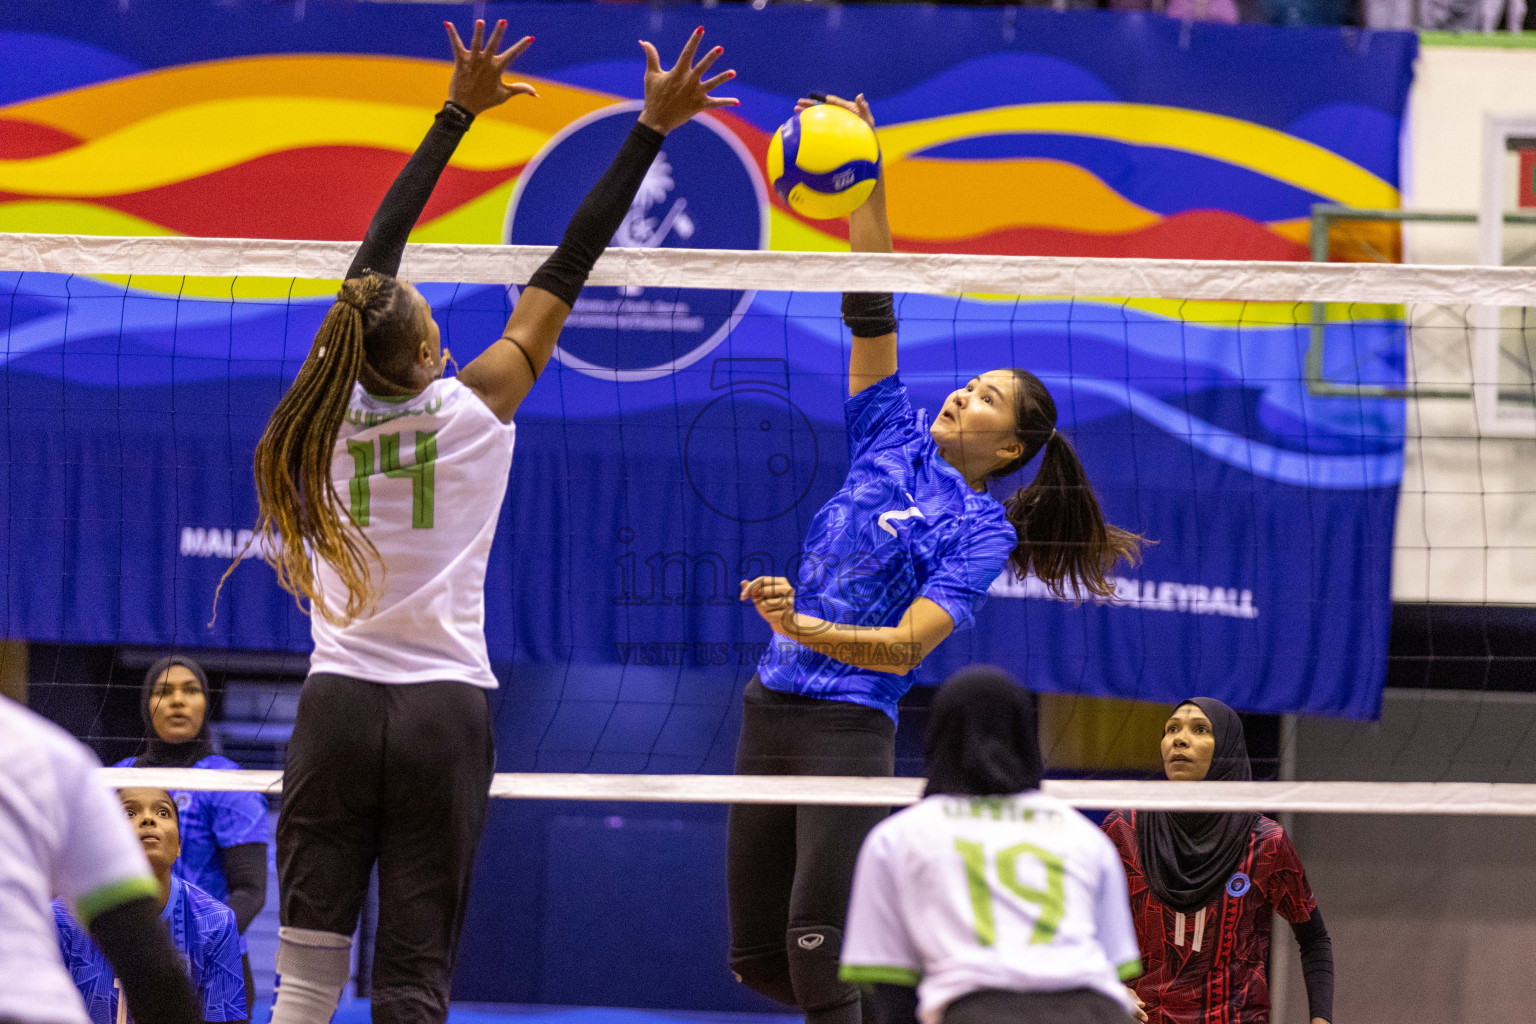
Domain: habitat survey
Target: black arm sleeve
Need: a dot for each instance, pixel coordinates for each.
(385, 242)
(890, 1004)
(869, 314)
(1316, 964)
(139, 949)
(598, 217)
(245, 873)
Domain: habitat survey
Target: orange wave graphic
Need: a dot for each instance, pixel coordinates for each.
(95, 111)
(932, 199)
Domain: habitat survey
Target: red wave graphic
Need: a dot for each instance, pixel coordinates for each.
(1194, 235)
(325, 192)
(22, 140)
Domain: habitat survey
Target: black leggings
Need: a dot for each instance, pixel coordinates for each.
(1074, 1006)
(789, 868)
(398, 775)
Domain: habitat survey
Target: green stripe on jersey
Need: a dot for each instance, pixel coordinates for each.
(110, 897)
(1128, 970)
(873, 974)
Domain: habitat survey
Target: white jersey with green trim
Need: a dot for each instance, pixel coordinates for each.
(1015, 893)
(424, 478)
(62, 833)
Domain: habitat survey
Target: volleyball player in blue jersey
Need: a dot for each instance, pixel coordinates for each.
(898, 559)
(201, 926)
(224, 836)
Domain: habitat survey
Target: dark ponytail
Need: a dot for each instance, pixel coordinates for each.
(370, 326)
(1063, 538)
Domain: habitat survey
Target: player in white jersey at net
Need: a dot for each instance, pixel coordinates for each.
(63, 833)
(998, 903)
(380, 484)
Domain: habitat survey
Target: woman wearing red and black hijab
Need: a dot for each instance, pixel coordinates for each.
(1204, 888)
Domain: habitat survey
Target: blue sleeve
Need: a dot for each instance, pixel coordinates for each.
(238, 818)
(222, 978)
(879, 416)
(960, 580)
(85, 965)
(66, 928)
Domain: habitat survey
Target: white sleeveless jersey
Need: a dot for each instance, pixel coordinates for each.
(424, 477)
(1015, 893)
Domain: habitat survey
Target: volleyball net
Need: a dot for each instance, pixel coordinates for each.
(1300, 442)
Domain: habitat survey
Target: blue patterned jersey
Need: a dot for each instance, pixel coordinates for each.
(212, 821)
(904, 525)
(202, 928)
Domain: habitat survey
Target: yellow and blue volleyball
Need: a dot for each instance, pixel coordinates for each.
(824, 162)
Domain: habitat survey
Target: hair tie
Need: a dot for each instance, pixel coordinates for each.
(1052, 437)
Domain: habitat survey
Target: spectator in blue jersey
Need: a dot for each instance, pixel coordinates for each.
(224, 836)
(899, 558)
(202, 928)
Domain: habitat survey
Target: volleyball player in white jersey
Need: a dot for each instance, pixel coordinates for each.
(999, 903)
(380, 485)
(63, 833)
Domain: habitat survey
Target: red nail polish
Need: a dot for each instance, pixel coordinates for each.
(699, 30)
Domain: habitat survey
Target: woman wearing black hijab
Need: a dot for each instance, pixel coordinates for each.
(1204, 887)
(998, 903)
(224, 836)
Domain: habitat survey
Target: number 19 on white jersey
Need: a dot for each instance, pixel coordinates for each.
(1014, 893)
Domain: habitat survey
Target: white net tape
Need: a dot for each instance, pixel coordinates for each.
(1195, 280)
(1504, 798)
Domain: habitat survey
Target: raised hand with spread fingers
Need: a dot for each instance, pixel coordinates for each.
(479, 82)
(675, 95)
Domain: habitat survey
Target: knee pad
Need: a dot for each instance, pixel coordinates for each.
(814, 951)
(313, 967)
(764, 970)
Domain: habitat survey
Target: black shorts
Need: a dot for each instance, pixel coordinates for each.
(1073, 1006)
(397, 775)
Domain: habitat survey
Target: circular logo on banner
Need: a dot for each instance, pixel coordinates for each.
(702, 192)
(1238, 884)
(762, 431)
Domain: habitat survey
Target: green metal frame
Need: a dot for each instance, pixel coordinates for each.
(1323, 215)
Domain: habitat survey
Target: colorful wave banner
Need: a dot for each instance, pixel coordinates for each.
(633, 500)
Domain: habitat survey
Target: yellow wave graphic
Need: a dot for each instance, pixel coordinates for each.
(1241, 143)
(72, 217)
